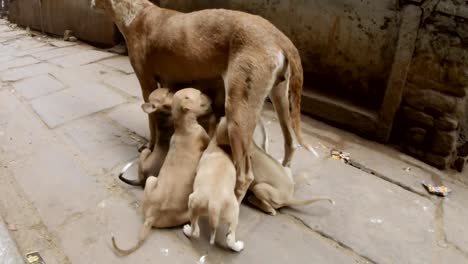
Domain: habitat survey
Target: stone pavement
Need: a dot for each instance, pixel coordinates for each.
(70, 119)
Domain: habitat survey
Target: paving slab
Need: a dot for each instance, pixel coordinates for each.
(87, 239)
(34, 51)
(91, 73)
(8, 252)
(75, 102)
(121, 63)
(102, 144)
(18, 62)
(455, 216)
(375, 218)
(81, 58)
(59, 52)
(132, 117)
(16, 74)
(126, 83)
(34, 87)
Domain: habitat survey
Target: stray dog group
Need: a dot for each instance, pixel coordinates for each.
(197, 177)
(201, 159)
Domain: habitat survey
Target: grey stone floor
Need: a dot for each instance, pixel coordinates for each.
(70, 119)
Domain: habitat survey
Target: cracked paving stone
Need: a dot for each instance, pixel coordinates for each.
(375, 218)
(81, 58)
(101, 143)
(16, 74)
(121, 63)
(31, 88)
(75, 102)
(455, 217)
(132, 117)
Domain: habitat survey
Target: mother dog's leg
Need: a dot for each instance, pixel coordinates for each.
(248, 81)
(280, 98)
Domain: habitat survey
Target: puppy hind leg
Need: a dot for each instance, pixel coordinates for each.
(213, 220)
(232, 217)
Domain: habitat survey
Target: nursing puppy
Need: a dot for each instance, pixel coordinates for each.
(165, 202)
(213, 192)
(273, 184)
(150, 162)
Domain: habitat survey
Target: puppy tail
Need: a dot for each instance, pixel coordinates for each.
(294, 201)
(145, 230)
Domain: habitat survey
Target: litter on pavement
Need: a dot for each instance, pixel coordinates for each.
(437, 190)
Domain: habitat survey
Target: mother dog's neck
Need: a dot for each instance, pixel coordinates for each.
(123, 12)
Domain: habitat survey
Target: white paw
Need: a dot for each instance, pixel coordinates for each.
(238, 246)
(187, 230)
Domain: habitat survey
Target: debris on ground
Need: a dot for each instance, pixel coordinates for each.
(340, 155)
(407, 169)
(120, 49)
(437, 190)
(34, 258)
(67, 35)
(165, 252)
(12, 227)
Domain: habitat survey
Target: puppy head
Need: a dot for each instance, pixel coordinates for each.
(191, 100)
(160, 101)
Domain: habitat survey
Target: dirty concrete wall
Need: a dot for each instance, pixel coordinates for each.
(60, 15)
(347, 46)
(431, 124)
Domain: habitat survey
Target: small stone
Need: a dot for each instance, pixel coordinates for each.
(417, 116)
(72, 39)
(67, 34)
(425, 99)
(446, 123)
(416, 135)
(440, 162)
(459, 163)
(443, 143)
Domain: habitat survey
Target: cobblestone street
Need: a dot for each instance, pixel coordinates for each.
(70, 119)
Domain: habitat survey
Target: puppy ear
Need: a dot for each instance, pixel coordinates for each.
(149, 108)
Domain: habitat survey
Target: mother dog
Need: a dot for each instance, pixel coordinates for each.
(252, 56)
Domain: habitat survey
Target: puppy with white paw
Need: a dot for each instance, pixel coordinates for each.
(213, 192)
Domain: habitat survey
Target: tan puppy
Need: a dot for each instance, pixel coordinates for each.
(165, 202)
(213, 193)
(150, 162)
(273, 184)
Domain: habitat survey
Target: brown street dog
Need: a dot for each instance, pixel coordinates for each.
(273, 184)
(213, 193)
(165, 202)
(251, 55)
(150, 162)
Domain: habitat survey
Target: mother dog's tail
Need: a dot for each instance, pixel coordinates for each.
(296, 82)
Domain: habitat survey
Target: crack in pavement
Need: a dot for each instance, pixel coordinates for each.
(330, 238)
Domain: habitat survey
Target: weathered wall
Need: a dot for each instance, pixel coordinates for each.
(60, 15)
(431, 119)
(347, 46)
